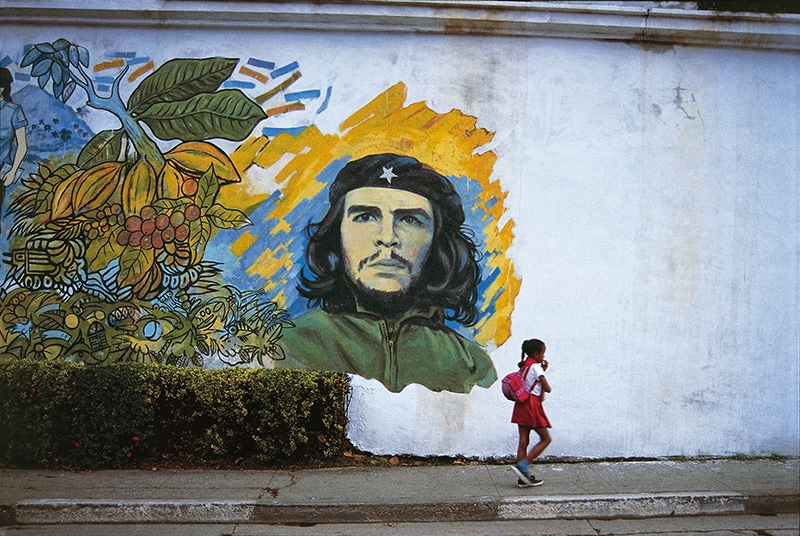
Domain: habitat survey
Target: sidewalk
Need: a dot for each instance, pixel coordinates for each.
(593, 490)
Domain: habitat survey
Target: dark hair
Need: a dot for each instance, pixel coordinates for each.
(5, 83)
(451, 271)
(530, 347)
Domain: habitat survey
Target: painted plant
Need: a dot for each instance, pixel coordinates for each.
(106, 253)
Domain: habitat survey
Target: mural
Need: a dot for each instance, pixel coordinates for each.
(118, 238)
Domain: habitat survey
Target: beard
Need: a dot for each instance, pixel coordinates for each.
(386, 304)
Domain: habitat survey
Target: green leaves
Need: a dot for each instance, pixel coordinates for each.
(225, 218)
(180, 101)
(134, 263)
(180, 79)
(104, 147)
(105, 416)
(227, 114)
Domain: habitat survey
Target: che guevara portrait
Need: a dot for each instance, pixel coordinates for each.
(385, 268)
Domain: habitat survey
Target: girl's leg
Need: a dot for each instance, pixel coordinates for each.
(524, 441)
(538, 448)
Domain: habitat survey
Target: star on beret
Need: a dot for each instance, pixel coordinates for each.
(388, 174)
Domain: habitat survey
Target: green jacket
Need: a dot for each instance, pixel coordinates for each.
(412, 350)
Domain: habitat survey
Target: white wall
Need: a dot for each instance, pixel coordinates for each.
(655, 189)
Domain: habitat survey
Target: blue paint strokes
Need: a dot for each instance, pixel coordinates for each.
(327, 99)
(22, 77)
(241, 84)
(487, 280)
(219, 247)
(104, 79)
(299, 95)
(121, 55)
(55, 334)
(261, 64)
(5, 62)
(271, 132)
(285, 69)
(23, 328)
(103, 88)
(138, 61)
(491, 202)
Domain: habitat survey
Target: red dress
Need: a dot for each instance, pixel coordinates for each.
(530, 413)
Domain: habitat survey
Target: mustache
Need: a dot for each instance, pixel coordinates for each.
(402, 261)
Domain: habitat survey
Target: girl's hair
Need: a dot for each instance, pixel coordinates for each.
(5, 83)
(530, 347)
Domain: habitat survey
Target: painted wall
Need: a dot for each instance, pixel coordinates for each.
(637, 205)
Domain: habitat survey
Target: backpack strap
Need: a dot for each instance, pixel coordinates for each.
(524, 373)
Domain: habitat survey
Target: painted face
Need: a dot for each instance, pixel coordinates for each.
(386, 236)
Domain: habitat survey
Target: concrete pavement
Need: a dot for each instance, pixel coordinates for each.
(475, 492)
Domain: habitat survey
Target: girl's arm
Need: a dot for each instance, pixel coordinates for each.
(545, 385)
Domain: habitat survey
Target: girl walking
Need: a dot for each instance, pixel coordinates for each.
(529, 415)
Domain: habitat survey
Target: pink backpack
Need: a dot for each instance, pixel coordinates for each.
(514, 386)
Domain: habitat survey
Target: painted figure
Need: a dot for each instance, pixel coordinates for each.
(13, 143)
(386, 266)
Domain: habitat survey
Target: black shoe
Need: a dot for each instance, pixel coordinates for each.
(532, 482)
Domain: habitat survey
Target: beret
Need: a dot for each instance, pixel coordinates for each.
(389, 170)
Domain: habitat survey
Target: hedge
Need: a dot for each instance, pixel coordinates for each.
(93, 416)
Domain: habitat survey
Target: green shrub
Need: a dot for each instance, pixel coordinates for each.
(89, 416)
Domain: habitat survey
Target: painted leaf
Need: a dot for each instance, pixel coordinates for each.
(104, 147)
(60, 44)
(42, 67)
(74, 55)
(165, 204)
(199, 235)
(148, 286)
(69, 88)
(30, 57)
(134, 265)
(180, 79)
(138, 187)
(207, 189)
(100, 252)
(95, 186)
(46, 48)
(227, 114)
(59, 74)
(225, 218)
(83, 56)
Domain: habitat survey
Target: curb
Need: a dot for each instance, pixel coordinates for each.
(78, 511)
(624, 506)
